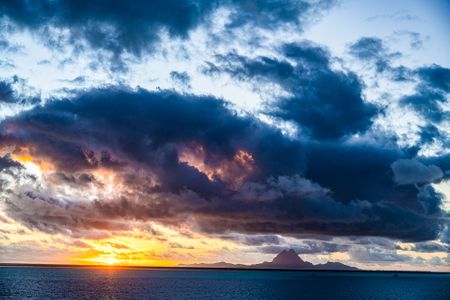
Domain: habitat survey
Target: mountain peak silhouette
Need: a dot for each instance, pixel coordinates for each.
(287, 257)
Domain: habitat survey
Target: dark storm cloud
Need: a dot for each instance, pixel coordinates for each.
(148, 128)
(294, 188)
(373, 173)
(6, 92)
(325, 103)
(373, 50)
(289, 217)
(436, 76)
(354, 171)
(112, 25)
(134, 27)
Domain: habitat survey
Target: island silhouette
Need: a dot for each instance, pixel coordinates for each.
(285, 260)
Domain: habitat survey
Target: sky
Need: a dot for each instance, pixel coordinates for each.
(179, 132)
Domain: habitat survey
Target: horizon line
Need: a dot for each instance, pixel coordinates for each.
(100, 266)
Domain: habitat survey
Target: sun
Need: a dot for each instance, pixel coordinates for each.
(110, 261)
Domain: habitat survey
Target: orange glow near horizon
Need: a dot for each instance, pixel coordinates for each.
(159, 246)
(137, 248)
(170, 248)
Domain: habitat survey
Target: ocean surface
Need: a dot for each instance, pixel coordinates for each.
(113, 283)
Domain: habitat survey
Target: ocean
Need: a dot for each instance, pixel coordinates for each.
(124, 283)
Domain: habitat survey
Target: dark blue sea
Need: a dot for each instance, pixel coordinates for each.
(113, 283)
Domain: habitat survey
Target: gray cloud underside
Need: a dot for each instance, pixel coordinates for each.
(296, 187)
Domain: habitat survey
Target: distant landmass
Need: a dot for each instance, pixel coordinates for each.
(286, 260)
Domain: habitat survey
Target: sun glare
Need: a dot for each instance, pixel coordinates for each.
(110, 261)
